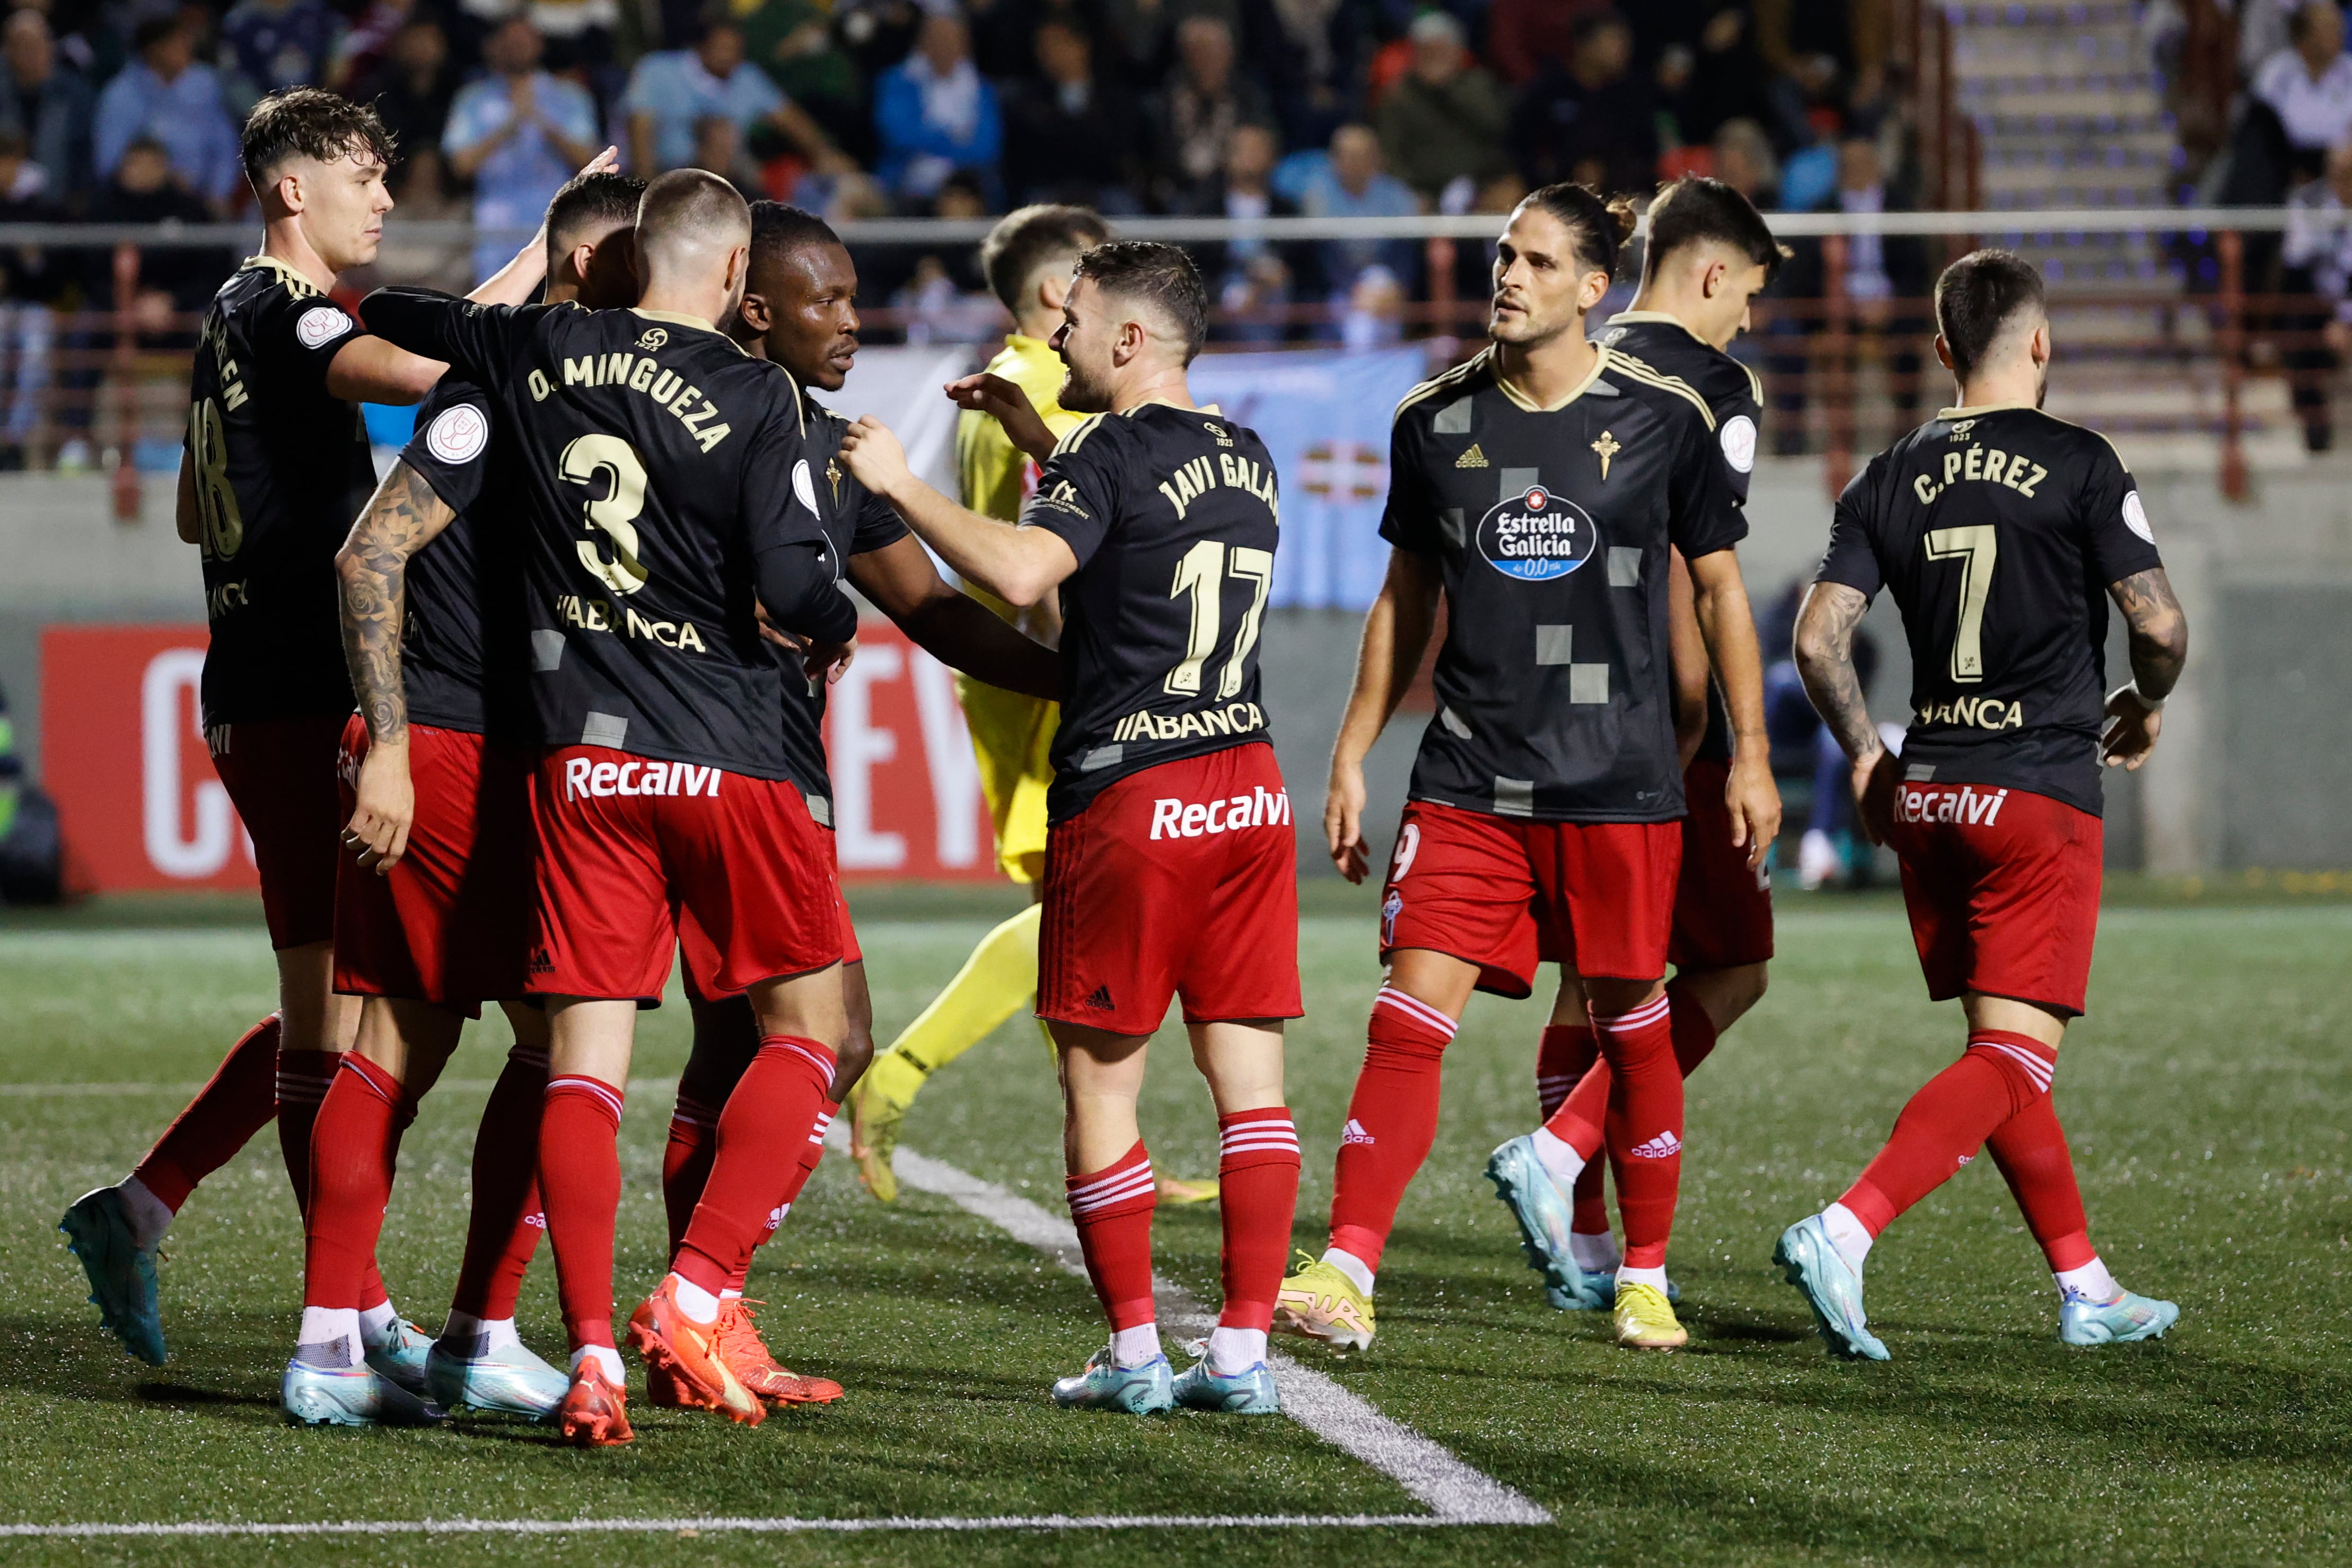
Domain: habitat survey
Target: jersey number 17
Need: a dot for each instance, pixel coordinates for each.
(1201, 572)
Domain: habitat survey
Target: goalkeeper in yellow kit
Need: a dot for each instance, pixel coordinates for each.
(1027, 258)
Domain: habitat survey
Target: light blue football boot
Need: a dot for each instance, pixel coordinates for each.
(1201, 1387)
(121, 1274)
(401, 1355)
(1832, 1289)
(317, 1393)
(509, 1380)
(1542, 1210)
(1595, 1291)
(1105, 1385)
(2087, 1323)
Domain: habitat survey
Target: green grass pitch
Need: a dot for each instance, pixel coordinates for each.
(2206, 1097)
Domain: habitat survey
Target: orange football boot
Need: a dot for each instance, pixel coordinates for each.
(595, 1410)
(688, 1352)
(747, 1356)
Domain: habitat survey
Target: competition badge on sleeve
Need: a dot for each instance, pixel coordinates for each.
(1537, 536)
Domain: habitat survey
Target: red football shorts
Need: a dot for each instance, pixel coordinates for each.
(1723, 911)
(699, 956)
(2003, 887)
(1477, 887)
(1179, 881)
(280, 776)
(451, 923)
(624, 842)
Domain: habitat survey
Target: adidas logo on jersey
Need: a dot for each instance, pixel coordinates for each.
(1100, 1001)
(1474, 458)
(1353, 1133)
(1665, 1146)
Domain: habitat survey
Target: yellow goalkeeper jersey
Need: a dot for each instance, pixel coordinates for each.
(1011, 734)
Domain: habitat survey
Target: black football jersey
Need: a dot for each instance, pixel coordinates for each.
(657, 460)
(1998, 532)
(1735, 396)
(1551, 526)
(1171, 513)
(856, 521)
(281, 472)
(465, 645)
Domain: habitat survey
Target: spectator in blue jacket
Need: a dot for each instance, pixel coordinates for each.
(935, 114)
(518, 133)
(672, 93)
(46, 102)
(166, 95)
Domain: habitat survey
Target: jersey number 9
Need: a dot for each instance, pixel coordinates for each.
(1202, 573)
(614, 514)
(223, 525)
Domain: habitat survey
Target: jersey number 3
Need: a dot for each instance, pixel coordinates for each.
(1202, 573)
(614, 515)
(1976, 548)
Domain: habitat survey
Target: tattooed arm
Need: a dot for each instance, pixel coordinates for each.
(2159, 647)
(402, 516)
(1825, 660)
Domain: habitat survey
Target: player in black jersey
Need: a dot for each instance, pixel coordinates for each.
(1170, 865)
(1539, 487)
(671, 501)
(800, 310)
(274, 468)
(2002, 533)
(433, 918)
(1706, 254)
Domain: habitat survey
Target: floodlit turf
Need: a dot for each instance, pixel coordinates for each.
(2207, 1096)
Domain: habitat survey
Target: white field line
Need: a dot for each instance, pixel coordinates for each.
(739, 1525)
(1453, 1492)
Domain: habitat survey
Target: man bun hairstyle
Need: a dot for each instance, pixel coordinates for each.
(1700, 210)
(1028, 238)
(1601, 227)
(1977, 299)
(309, 123)
(778, 230)
(586, 202)
(1159, 275)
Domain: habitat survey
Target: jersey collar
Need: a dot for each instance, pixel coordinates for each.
(1663, 318)
(287, 273)
(1520, 400)
(1979, 411)
(679, 318)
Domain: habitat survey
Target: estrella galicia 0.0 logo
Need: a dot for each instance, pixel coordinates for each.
(1537, 536)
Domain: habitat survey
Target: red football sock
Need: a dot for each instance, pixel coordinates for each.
(222, 1119)
(503, 1226)
(1391, 1121)
(1577, 1120)
(580, 1184)
(1112, 1209)
(1945, 1123)
(354, 1143)
(1257, 1195)
(686, 1162)
(2031, 1150)
(757, 1157)
(825, 1113)
(1694, 1027)
(303, 1077)
(1567, 1053)
(1644, 1128)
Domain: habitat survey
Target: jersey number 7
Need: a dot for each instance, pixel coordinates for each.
(1976, 548)
(1202, 573)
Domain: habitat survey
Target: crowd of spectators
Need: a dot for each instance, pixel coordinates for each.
(121, 109)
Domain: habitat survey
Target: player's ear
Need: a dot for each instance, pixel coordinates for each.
(1710, 280)
(288, 188)
(2038, 349)
(1596, 284)
(755, 312)
(1943, 352)
(1053, 289)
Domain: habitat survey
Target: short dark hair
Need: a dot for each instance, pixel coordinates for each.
(1601, 227)
(588, 200)
(1026, 239)
(778, 230)
(690, 207)
(1700, 210)
(310, 123)
(1976, 299)
(1162, 276)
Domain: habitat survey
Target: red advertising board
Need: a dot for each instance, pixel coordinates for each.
(123, 752)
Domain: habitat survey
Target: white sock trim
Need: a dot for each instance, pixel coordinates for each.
(698, 1304)
(1138, 1346)
(1358, 1272)
(148, 1215)
(1595, 1252)
(1654, 1278)
(2091, 1282)
(606, 1357)
(1558, 1157)
(1233, 1352)
(380, 1323)
(1847, 1230)
(333, 1325)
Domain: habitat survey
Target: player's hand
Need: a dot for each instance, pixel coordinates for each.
(874, 457)
(378, 831)
(1343, 820)
(828, 661)
(2131, 729)
(1007, 404)
(1875, 777)
(1754, 802)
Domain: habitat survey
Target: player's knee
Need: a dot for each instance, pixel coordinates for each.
(849, 1063)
